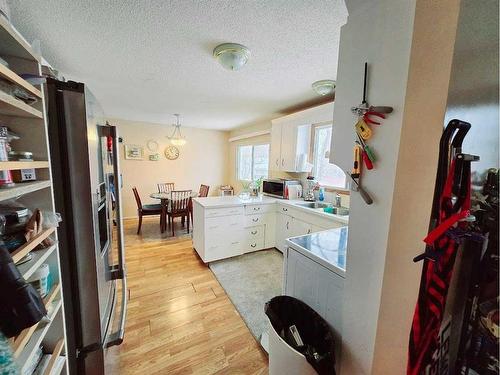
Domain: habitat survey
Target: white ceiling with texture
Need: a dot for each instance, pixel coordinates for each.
(145, 60)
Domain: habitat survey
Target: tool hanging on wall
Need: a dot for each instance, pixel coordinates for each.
(366, 115)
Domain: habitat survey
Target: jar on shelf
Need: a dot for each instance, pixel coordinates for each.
(6, 179)
(22, 175)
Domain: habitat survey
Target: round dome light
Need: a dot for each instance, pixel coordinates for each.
(324, 87)
(232, 56)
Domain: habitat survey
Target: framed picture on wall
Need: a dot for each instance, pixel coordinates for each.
(134, 152)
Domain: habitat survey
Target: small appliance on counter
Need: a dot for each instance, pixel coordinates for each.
(294, 192)
(278, 188)
(311, 185)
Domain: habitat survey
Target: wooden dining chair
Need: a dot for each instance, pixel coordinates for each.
(146, 209)
(179, 207)
(203, 190)
(202, 193)
(166, 187)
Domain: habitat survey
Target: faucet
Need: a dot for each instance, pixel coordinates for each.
(338, 200)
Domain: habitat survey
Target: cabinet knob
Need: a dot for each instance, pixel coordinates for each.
(256, 208)
(284, 209)
(253, 245)
(254, 232)
(255, 220)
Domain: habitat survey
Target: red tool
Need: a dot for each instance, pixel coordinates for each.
(368, 120)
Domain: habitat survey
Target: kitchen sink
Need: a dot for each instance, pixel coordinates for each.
(341, 211)
(313, 204)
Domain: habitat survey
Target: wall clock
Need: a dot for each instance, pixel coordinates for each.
(171, 152)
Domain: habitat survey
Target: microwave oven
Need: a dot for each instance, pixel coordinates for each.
(277, 188)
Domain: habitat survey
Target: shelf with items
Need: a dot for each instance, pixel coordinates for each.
(15, 165)
(38, 335)
(23, 188)
(10, 106)
(19, 253)
(12, 77)
(53, 363)
(23, 338)
(38, 258)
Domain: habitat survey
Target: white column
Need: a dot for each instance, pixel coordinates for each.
(409, 47)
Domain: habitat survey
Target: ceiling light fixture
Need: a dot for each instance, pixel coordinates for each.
(324, 87)
(231, 56)
(177, 139)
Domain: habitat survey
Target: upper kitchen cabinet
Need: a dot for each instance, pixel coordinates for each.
(291, 138)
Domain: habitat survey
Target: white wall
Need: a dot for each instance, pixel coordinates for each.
(203, 160)
(408, 45)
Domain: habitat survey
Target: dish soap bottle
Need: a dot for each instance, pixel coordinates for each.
(321, 194)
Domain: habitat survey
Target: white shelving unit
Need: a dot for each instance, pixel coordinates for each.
(29, 121)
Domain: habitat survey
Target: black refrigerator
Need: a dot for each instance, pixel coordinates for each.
(87, 183)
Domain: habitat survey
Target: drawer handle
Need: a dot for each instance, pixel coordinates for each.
(233, 211)
(253, 245)
(255, 220)
(284, 209)
(254, 232)
(287, 223)
(235, 243)
(234, 224)
(213, 247)
(213, 227)
(256, 208)
(308, 231)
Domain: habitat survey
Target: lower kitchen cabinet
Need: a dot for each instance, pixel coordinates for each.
(283, 230)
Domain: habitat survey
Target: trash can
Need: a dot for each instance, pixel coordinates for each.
(300, 341)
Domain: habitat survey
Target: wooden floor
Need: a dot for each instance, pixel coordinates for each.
(180, 321)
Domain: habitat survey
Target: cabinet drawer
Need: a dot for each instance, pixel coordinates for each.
(254, 244)
(214, 212)
(224, 223)
(258, 219)
(258, 209)
(253, 233)
(222, 250)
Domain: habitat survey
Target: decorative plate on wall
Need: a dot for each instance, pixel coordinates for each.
(171, 152)
(152, 145)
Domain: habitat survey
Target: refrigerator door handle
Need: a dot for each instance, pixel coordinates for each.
(119, 271)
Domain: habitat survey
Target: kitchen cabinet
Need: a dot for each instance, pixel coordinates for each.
(289, 146)
(291, 138)
(300, 227)
(224, 232)
(292, 222)
(283, 230)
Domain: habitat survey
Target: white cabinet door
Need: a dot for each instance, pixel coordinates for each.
(288, 147)
(275, 154)
(302, 281)
(300, 228)
(283, 230)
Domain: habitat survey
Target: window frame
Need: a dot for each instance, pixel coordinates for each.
(312, 152)
(253, 145)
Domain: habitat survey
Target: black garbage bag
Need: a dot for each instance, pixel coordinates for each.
(316, 334)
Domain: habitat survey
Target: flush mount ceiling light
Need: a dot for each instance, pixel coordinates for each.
(232, 56)
(177, 139)
(324, 87)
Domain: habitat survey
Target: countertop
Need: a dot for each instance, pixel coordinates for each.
(234, 201)
(328, 248)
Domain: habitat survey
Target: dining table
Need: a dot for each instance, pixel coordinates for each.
(164, 198)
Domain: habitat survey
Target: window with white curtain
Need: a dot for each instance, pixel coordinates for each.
(326, 173)
(253, 162)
